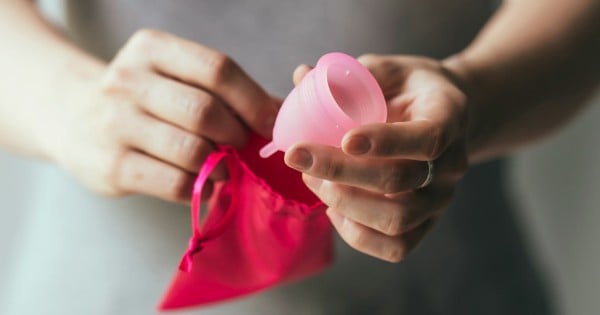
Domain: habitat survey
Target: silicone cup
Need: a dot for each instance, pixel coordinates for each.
(337, 95)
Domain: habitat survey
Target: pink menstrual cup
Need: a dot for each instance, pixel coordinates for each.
(334, 97)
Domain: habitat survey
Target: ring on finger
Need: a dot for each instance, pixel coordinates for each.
(430, 172)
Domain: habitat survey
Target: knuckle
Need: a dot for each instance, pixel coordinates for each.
(116, 80)
(221, 68)
(331, 169)
(142, 43)
(393, 179)
(112, 170)
(369, 59)
(256, 117)
(355, 237)
(395, 253)
(190, 150)
(387, 145)
(437, 143)
(393, 224)
(336, 201)
(379, 63)
(110, 123)
(144, 39)
(202, 109)
(177, 185)
(182, 144)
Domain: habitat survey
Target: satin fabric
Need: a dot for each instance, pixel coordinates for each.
(263, 227)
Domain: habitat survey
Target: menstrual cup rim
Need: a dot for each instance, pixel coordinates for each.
(364, 75)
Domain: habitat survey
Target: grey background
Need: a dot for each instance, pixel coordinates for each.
(557, 186)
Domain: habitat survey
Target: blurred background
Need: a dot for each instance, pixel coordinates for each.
(555, 185)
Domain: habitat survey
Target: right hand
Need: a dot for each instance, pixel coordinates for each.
(153, 115)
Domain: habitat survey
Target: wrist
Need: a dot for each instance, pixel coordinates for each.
(71, 95)
(468, 79)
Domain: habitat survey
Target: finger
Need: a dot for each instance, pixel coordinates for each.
(171, 144)
(388, 68)
(373, 243)
(300, 72)
(191, 109)
(388, 73)
(422, 140)
(139, 173)
(203, 67)
(207, 190)
(377, 175)
(390, 216)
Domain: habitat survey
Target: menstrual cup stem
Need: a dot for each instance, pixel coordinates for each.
(268, 150)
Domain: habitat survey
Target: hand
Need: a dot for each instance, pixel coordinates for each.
(153, 114)
(372, 184)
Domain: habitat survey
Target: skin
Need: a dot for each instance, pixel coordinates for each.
(140, 124)
(371, 184)
(529, 70)
(144, 122)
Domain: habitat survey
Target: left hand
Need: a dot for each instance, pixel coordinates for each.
(372, 183)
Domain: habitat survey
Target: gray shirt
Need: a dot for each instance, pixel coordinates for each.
(77, 253)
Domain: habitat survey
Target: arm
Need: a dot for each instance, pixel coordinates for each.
(142, 123)
(529, 71)
(38, 66)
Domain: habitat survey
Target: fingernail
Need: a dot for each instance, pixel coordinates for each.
(357, 145)
(300, 159)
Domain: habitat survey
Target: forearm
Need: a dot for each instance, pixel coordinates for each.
(530, 69)
(41, 74)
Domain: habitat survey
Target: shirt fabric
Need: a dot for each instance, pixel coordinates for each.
(72, 252)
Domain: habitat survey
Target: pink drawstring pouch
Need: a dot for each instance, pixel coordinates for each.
(263, 227)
